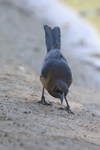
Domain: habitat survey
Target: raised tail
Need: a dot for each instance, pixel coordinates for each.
(57, 36)
(52, 37)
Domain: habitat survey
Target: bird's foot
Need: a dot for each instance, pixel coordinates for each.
(69, 110)
(66, 108)
(44, 102)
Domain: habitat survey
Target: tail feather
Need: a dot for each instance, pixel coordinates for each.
(49, 36)
(57, 36)
(52, 37)
(55, 46)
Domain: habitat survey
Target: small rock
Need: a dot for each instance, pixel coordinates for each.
(93, 114)
(21, 68)
(27, 112)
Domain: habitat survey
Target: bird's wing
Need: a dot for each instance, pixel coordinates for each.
(54, 54)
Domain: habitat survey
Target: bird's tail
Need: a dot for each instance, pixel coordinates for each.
(52, 37)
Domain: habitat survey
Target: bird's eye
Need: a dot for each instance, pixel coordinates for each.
(57, 89)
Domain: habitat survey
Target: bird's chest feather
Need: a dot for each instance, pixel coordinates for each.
(45, 81)
(53, 70)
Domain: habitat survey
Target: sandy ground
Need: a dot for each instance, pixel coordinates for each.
(24, 123)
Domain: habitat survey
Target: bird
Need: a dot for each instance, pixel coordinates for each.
(55, 75)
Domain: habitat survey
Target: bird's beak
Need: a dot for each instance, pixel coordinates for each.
(61, 96)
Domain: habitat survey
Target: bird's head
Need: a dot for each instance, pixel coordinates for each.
(59, 90)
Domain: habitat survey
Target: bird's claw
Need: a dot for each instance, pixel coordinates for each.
(67, 108)
(44, 102)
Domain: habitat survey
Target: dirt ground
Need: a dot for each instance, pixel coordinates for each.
(24, 123)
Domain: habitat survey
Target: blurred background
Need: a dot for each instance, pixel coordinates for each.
(89, 9)
(24, 123)
(23, 41)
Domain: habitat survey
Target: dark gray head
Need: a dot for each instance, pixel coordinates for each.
(59, 90)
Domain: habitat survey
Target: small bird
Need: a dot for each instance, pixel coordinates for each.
(55, 75)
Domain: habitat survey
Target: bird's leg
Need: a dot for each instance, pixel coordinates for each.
(68, 107)
(43, 99)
